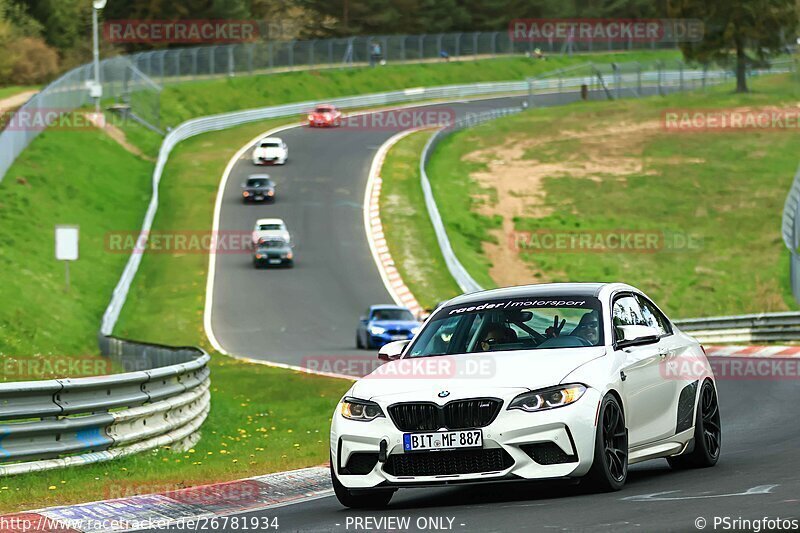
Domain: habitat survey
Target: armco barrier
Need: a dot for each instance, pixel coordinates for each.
(763, 327)
(162, 398)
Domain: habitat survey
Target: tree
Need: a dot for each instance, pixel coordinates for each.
(746, 32)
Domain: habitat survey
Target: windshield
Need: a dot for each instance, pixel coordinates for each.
(270, 145)
(269, 227)
(540, 322)
(323, 110)
(258, 182)
(392, 314)
(267, 244)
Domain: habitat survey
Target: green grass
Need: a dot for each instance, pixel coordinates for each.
(64, 177)
(726, 190)
(407, 227)
(6, 92)
(183, 101)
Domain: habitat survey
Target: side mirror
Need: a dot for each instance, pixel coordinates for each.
(392, 350)
(636, 335)
(363, 319)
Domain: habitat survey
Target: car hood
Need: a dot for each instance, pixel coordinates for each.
(471, 375)
(393, 324)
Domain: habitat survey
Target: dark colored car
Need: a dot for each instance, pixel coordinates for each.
(273, 252)
(258, 188)
(385, 323)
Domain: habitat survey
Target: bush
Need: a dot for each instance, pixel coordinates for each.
(32, 61)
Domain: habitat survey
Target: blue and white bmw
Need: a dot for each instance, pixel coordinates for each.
(572, 380)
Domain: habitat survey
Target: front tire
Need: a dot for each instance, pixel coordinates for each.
(610, 465)
(373, 499)
(707, 433)
(359, 344)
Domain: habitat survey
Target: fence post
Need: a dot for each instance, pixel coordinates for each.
(212, 57)
(420, 42)
(311, 52)
(458, 45)
(475, 44)
(231, 67)
(494, 44)
(330, 52)
(291, 54)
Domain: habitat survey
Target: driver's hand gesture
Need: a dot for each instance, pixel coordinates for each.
(555, 330)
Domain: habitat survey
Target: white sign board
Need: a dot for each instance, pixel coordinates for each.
(67, 243)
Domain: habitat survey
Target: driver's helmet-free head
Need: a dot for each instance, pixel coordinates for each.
(497, 334)
(589, 327)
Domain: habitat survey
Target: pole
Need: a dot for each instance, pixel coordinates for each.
(96, 53)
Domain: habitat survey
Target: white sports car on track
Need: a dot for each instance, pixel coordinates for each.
(567, 380)
(270, 151)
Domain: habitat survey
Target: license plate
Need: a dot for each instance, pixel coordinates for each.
(416, 442)
(274, 261)
(259, 197)
(399, 337)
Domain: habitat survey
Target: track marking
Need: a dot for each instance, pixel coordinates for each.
(660, 496)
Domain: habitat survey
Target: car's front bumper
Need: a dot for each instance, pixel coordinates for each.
(516, 435)
(259, 263)
(378, 341)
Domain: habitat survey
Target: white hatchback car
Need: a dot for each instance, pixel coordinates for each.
(270, 151)
(568, 380)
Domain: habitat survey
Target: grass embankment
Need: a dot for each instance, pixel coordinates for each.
(715, 198)
(13, 90)
(183, 101)
(407, 227)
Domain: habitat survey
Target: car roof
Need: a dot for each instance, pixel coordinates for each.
(271, 139)
(387, 306)
(325, 105)
(541, 289)
(258, 177)
(269, 221)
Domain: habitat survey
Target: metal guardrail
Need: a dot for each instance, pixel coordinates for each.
(162, 398)
(763, 327)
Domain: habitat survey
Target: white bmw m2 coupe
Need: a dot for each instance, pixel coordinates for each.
(567, 380)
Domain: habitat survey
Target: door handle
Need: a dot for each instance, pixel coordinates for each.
(662, 353)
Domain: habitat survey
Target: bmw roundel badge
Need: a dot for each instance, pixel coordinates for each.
(444, 394)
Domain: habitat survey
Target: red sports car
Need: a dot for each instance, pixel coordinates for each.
(324, 116)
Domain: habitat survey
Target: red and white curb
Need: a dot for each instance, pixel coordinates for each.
(375, 236)
(189, 508)
(770, 352)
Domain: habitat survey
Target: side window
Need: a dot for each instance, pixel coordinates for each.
(626, 312)
(653, 317)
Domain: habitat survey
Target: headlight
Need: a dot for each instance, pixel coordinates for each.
(310, 117)
(362, 410)
(377, 330)
(550, 398)
(415, 330)
(289, 255)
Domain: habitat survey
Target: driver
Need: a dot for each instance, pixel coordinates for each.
(497, 334)
(588, 328)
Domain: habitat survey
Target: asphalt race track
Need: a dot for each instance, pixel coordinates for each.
(311, 310)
